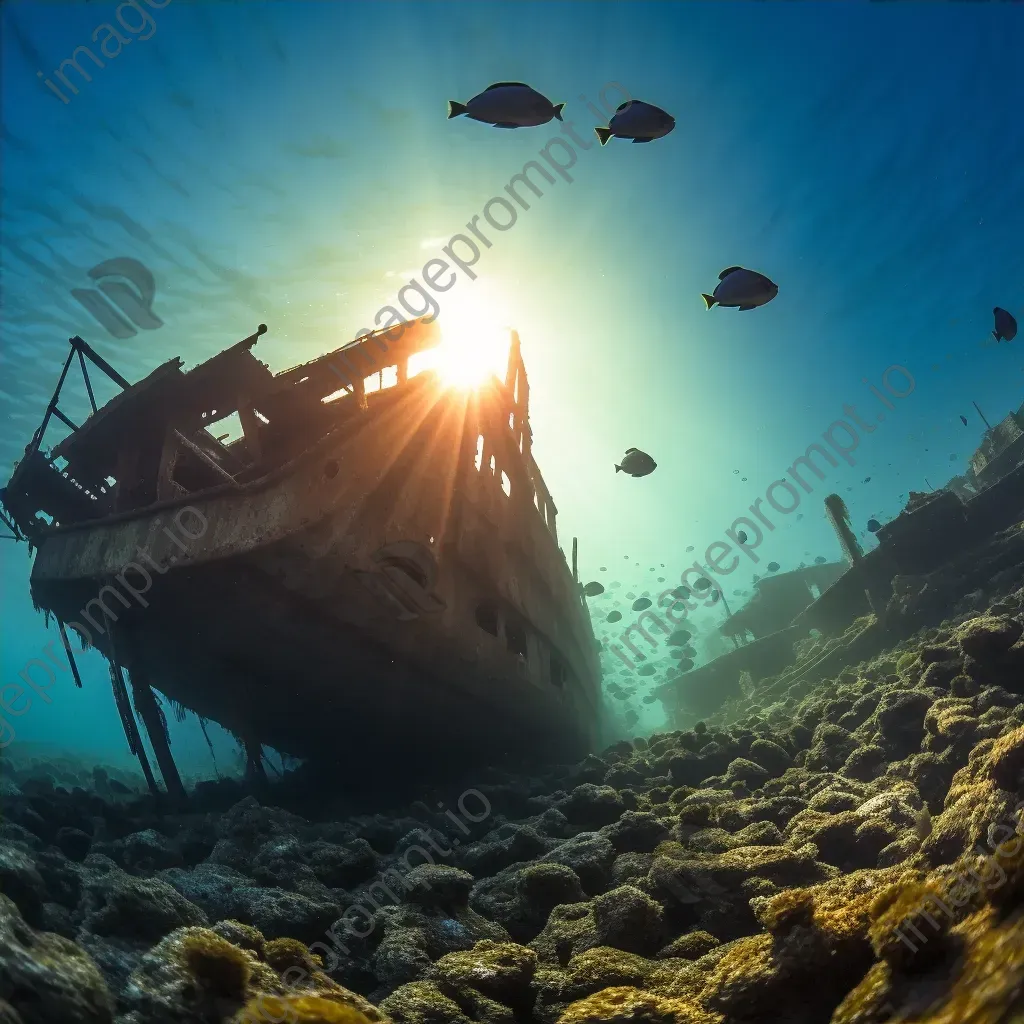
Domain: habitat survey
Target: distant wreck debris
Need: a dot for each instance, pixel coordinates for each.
(892, 587)
(363, 570)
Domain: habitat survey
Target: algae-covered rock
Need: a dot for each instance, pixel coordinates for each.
(629, 919)
(626, 1004)
(987, 636)
(47, 979)
(499, 971)
(143, 910)
(422, 1002)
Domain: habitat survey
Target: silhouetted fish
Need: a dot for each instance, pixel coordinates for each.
(593, 589)
(689, 549)
(614, 616)
(641, 603)
(963, 420)
(1006, 326)
(637, 120)
(646, 670)
(686, 664)
(508, 105)
(744, 289)
(741, 537)
(773, 567)
(636, 463)
(874, 526)
(679, 637)
(649, 699)
(820, 560)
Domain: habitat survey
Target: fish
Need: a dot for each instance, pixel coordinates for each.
(1006, 325)
(621, 695)
(641, 603)
(773, 566)
(681, 593)
(649, 699)
(744, 289)
(820, 560)
(867, 479)
(685, 665)
(637, 120)
(963, 420)
(874, 526)
(741, 537)
(702, 584)
(614, 616)
(689, 549)
(646, 670)
(593, 589)
(636, 463)
(679, 637)
(631, 718)
(604, 568)
(508, 105)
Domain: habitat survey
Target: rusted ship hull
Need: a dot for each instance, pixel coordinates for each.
(395, 589)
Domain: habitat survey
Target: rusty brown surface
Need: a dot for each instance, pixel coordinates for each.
(338, 585)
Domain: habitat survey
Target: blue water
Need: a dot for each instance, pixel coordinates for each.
(291, 163)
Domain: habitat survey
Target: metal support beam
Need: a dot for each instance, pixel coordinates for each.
(85, 377)
(69, 653)
(146, 705)
(203, 457)
(124, 709)
(38, 439)
(254, 769)
(64, 419)
(98, 360)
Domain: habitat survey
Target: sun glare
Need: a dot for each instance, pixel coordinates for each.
(474, 343)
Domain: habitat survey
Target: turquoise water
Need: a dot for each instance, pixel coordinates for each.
(291, 163)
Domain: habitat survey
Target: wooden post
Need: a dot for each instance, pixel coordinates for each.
(146, 705)
(254, 770)
(251, 426)
(69, 653)
(124, 708)
(166, 488)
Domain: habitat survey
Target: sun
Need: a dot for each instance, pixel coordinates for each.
(474, 342)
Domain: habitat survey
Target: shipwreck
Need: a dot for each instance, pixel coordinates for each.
(369, 571)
